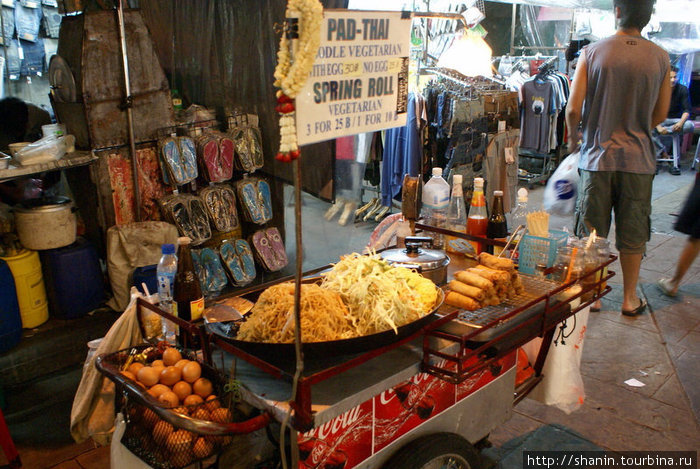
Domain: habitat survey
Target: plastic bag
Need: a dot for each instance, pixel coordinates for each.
(44, 150)
(562, 385)
(561, 189)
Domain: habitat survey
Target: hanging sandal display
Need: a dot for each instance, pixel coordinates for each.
(269, 249)
(256, 200)
(238, 260)
(220, 202)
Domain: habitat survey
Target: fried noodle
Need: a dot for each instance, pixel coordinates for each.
(324, 316)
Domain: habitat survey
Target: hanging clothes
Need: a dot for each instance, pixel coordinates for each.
(501, 167)
(402, 153)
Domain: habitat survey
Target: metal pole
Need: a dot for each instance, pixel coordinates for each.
(128, 103)
(512, 29)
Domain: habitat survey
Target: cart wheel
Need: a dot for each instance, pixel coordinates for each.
(437, 451)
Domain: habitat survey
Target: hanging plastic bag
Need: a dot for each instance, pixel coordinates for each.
(562, 385)
(561, 189)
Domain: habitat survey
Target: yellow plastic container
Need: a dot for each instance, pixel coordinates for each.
(29, 283)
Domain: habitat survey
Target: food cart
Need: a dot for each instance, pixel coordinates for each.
(425, 397)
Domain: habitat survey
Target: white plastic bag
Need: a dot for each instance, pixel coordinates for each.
(562, 385)
(560, 193)
(120, 456)
(44, 150)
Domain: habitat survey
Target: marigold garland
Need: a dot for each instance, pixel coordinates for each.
(291, 77)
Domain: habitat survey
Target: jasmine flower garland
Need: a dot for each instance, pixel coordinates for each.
(291, 77)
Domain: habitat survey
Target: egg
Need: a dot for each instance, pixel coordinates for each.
(170, 375)
(181, 363)
(158, 389)
(134, 368)
(202, 414)
(162, 431)
(221, 415)
(180, 441)
(147, 376)
(157, 364)
(191, 372)
(193, 399)
(182, 389)
(202, 448)
(149, 418)
(212, 403)
(169, 399)
(203, 387)
(171, 356)
(181, 458)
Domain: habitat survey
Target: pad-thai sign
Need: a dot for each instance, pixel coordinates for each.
(359, 80)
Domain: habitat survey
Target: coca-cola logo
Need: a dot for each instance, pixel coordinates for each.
(318, 453)
(339, 423)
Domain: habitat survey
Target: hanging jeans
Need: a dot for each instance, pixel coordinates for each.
(52, 21)
(27, 22)
(8, 23)
(34, 59)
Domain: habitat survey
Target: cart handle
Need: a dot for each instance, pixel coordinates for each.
(198, 426)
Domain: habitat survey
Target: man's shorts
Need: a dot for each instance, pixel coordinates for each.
(628, 195)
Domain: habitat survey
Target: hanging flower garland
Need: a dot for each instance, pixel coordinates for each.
(291, 77)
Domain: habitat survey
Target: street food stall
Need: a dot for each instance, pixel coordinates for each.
(403, 358)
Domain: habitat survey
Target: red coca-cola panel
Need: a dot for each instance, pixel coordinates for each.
(485, 376)
(407, 405)
(342, 443)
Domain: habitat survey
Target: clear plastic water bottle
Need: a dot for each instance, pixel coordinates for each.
(457, 218)
(436, 198)
(167, 267)
(519, 217)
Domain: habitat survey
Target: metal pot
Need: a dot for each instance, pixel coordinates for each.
(431, 263)
(46, 223)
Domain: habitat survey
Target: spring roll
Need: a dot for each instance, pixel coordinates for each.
(492, 301)
(474, 280)
(496, 276)
(467, 290)
(461, 301)
(498, 263)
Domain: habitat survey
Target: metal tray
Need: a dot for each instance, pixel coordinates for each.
(535, 288)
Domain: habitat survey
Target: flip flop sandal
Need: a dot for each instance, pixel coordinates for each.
(227, 152)
(233, 264)
(199, 269)
(216, 278)
(209, 160)
(245, 254)
(265, 200)
(188, 156)
(275, 238)
(200, 220)
(170, 152)
(248, 194)
(637, 311)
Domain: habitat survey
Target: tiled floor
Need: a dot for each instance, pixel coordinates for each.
(660, 348)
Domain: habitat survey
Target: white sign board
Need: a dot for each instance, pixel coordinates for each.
(359, 80)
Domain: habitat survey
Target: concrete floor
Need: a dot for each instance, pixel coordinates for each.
(660, 348)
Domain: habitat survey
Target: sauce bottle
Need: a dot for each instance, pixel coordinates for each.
(497, 227)
(477, 220)
(187, 293)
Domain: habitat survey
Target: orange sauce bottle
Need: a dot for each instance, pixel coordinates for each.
(477, 221)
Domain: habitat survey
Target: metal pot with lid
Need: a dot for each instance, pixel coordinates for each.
(418, 254)
(46, 222)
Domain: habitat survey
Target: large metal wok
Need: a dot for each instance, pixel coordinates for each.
(281, 352)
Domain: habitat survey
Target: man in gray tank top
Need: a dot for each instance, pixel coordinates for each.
(621, 90)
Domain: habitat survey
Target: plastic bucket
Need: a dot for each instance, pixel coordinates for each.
(29, 284)
(10, 320)
(59, 130)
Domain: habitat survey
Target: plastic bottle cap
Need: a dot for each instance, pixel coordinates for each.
(522, 195)
(167, 249)
(183, 240)
(497, 193)
(437, 172)
(457, 179)
(479, 182)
